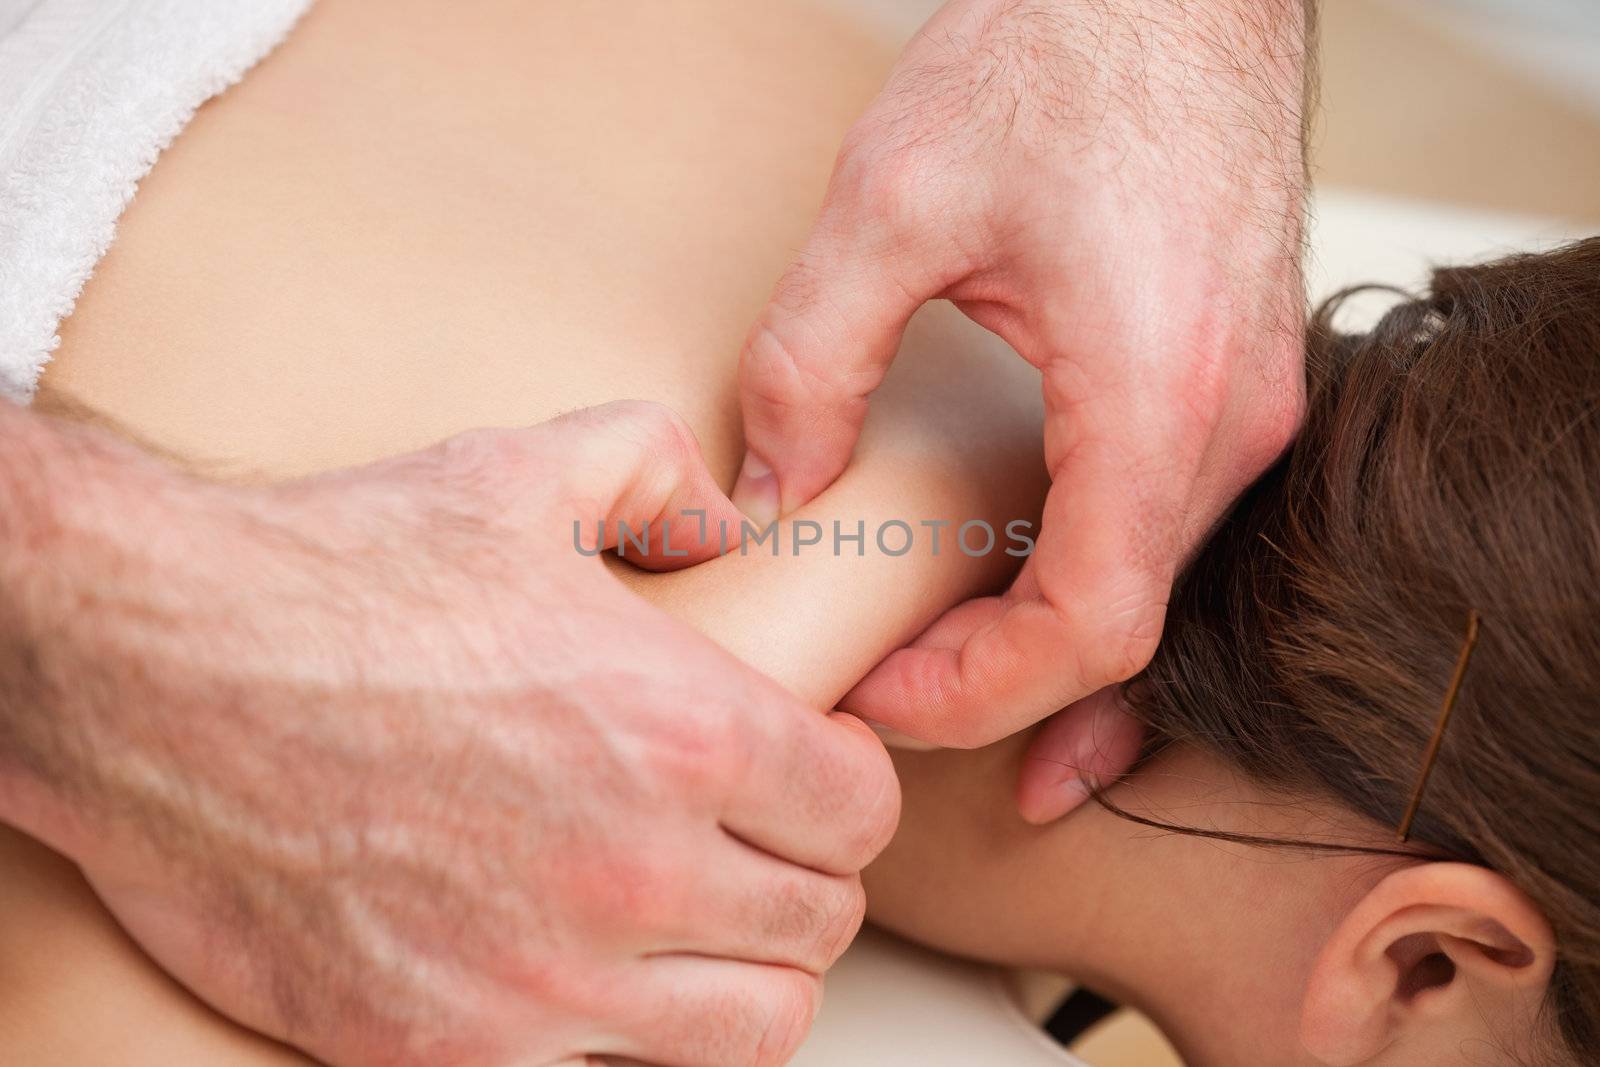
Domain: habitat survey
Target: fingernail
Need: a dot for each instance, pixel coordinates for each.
(893, 738)
(1049, 804)
(756, 491)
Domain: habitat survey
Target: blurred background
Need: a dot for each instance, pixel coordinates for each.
(1483, 103)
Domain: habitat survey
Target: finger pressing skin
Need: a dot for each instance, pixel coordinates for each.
(693, 1011)
(637, 465)
(1089, 606)
(818, 350)
(1088, 744)
(1001, 678)
(754, 908)
(818, 791)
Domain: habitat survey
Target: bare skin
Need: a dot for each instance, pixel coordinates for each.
(1245, 957)
(1115, 188)
(251, 368)
(287, 298)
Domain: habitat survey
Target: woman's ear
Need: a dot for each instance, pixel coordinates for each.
(1435, 955)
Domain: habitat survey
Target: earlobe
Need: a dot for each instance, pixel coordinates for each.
(1435, 953)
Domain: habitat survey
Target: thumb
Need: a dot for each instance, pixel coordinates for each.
(629, 476)
(823, 343)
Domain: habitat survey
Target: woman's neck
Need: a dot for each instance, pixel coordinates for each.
(1194, 932)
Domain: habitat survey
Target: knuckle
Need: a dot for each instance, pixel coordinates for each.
(898, 192)
(817, 921)
(1276, 426)
(883, 179)
(867, 825)
(787, 364)
(697, 750)
(858, 799)
(880, 814)
(844, 916)
(771, 371)
(786, 1017)
(653, 426)
(626, 888)
(662, 427)
(797, 922)
(551, 984)
(1258, 403)
(798, 392)
(1130, 642)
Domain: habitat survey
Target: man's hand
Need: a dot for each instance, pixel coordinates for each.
(380, 764)
(1115, 188)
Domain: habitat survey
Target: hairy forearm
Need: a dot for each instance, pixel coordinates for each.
(47, 475)
(1214, 93)
(1216, 88)
(1230, 69)
(150, 622)
(25, 523)
(113, 570)
(70, 499)
(1220, 92)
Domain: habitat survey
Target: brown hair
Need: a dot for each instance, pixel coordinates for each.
(1450, 462)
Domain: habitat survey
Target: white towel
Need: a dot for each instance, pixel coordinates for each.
(91, 91)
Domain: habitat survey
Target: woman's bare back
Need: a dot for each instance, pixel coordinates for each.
(417, 218)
